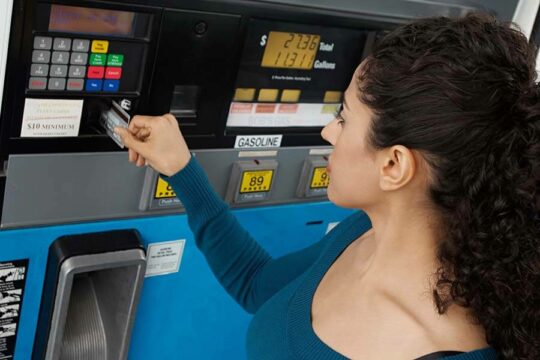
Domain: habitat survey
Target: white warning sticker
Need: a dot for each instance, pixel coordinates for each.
(12, 283)
(51, 118)
(164, 257)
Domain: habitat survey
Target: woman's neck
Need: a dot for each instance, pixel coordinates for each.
(404, 245)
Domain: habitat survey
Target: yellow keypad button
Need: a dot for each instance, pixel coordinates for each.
(100, 46)
(256, 181)
(163, 190)
(320, 178)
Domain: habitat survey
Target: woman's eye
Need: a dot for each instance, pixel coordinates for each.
(338, 116)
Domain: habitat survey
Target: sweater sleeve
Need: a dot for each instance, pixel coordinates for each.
(248, 273)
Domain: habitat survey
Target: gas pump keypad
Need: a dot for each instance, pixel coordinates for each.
(62, 63)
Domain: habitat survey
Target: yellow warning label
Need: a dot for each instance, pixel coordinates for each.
(320, 178)
(256, 181)
(163, 190)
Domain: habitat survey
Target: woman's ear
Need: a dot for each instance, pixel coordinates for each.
(398, 167)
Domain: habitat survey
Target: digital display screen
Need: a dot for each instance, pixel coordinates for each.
(91, 21)
(293, 76)
(290, 50)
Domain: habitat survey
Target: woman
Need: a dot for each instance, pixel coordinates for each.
(436, 142)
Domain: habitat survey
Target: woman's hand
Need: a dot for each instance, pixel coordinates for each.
(156, 141)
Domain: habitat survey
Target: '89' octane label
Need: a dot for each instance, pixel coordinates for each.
(256, 181)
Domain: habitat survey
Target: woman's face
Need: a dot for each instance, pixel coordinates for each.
(352, 166)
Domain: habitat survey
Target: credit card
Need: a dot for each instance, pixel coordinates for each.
(115, 117)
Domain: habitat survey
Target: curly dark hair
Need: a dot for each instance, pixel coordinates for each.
(462, 92)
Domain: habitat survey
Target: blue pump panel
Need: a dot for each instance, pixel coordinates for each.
(184, 315)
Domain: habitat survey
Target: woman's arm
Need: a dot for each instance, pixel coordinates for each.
(242, 266)
(248, 273)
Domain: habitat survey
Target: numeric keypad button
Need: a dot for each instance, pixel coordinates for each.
(39, 70)
(42, 43)
(60, 57)
(78, 58)
(41, 56)
(63, 44)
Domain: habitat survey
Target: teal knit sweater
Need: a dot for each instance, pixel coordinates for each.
(278, 291)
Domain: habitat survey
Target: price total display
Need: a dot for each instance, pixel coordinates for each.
(290, 50)
(256, 181)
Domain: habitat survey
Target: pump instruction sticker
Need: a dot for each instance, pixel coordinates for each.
(164, 257)
(51, 118)
(12, 282)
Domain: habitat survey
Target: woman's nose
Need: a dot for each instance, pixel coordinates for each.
(326, 132)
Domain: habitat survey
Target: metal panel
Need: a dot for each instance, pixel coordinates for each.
(65, 188)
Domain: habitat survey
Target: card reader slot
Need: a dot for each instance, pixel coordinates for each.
(184, 104)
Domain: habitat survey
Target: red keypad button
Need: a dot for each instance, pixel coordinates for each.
(113, 73)
(95, 72)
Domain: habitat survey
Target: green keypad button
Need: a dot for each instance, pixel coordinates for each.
(97, 59)
(115, 60)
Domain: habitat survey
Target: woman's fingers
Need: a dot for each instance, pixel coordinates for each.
(156, 140)
(132, 155)
(140, 121)
(141, 161)
(131, 142)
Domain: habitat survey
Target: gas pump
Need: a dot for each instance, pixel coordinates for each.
(96, 256)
